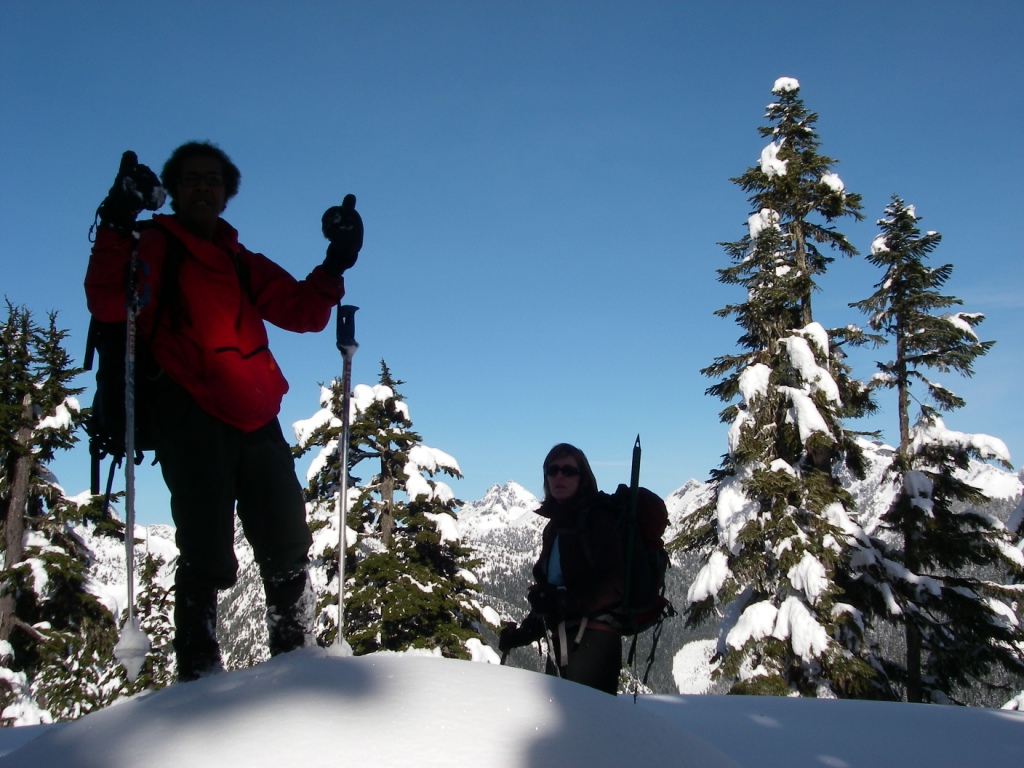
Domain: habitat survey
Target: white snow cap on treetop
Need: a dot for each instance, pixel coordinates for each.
(363, 395)
(786, 84)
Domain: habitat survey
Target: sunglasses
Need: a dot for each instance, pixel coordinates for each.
(191, 180)
(567, 470)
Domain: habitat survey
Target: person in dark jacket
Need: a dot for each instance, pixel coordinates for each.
(579, 573)
(216, 431)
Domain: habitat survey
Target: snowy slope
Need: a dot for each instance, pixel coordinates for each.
(310, 709)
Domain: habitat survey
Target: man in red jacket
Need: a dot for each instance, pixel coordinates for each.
(216, 432)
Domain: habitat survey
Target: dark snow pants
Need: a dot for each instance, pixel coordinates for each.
(213, 470)
(595, 661)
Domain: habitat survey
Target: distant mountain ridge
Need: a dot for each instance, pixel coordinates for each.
(502, 505)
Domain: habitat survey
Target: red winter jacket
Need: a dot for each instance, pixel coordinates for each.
(216, 345)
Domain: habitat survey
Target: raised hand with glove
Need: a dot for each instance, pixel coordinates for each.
(135, 188)
(342, 225)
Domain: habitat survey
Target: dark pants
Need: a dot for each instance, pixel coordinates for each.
(595, 661)
(213, 471)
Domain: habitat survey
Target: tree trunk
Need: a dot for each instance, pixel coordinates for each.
(14, 511)
(387, 513)
(806, 316)
(910, 559)
(915, 691)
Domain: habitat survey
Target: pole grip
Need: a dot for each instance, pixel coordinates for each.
(346, 332)
(634, 476)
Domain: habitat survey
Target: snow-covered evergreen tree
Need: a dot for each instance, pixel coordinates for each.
(154, 608)
(942, 569)
(408, 579)
(776, 531)
(56, 636)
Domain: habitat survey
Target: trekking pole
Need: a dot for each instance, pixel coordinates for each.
(347, 345)
(634, 495)
(133, 645)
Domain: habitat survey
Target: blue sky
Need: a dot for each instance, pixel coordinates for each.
(544, 185)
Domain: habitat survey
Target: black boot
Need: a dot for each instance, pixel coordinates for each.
(289, 611)
(195, 632)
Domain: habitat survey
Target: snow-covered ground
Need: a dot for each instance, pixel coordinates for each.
(312, 708)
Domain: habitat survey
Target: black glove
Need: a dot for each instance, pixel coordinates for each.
(343, 226)
(508, 638)
(135, 188)
(548, 601)
(512, 636)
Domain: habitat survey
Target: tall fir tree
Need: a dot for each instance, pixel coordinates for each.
(56, 637)
(942, 569)
(777, 530)
(408, 582)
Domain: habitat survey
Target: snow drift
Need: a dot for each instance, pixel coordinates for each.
(310, 708)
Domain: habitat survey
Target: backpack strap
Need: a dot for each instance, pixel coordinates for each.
(563, 646)
(244, 277)
(169, 299)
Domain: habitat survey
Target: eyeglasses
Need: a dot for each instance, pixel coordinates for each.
(567, 470)
(195, 179)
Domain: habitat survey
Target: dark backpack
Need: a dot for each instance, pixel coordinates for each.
(645, 559)
(105, 424)
(643, 604)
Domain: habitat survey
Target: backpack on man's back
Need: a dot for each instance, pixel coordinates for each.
(106, 424)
